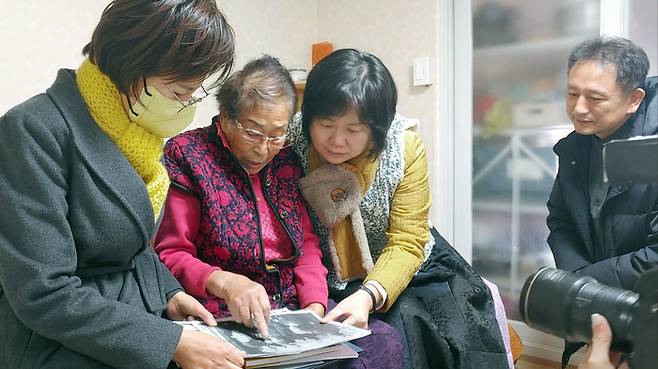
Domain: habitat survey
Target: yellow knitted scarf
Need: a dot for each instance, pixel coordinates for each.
(347, 248)
(142, 149)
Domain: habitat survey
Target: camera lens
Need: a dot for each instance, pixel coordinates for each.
(561, 303)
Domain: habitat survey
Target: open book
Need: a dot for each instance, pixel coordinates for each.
(296, 339)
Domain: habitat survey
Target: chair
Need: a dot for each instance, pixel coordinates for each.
(511, 339)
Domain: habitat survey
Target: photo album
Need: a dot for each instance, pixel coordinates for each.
(296, 339)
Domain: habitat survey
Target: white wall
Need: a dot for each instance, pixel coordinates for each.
(396, 32)
(37, 38)
(283, 28)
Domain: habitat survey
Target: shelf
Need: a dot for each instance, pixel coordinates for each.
(299, 91)
(546, 58)
(562, 129)
(524, 49)
(536, 208)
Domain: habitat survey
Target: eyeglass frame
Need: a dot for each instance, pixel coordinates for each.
(262, 137)
(193, 100)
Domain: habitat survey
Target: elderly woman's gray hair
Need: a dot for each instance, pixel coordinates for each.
(262, 81)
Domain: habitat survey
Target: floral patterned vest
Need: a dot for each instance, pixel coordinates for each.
(229, 233)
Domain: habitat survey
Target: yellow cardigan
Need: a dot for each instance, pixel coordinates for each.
(408, 230)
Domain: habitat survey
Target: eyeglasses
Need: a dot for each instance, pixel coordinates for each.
(192, 100)
(252, 137)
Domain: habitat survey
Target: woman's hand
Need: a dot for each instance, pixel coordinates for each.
(247, 300)
(353, 310)
(196, 350)
(316, 308)
(182, 306)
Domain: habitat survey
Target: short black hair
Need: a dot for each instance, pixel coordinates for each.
(347, 78)
(261, 81)
(630, 61)
(181, 39)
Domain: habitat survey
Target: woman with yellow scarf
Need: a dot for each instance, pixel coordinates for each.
(367, 182)
(80, 286)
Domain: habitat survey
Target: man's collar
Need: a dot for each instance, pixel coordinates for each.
(622, 132)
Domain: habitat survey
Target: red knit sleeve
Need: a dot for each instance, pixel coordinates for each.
(310, 273)
(174, 242)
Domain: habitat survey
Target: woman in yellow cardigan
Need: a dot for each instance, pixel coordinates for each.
(368, 185)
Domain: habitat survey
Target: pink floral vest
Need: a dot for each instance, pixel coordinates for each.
(229, 233)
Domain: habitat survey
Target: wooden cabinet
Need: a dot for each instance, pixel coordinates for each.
(299, 90)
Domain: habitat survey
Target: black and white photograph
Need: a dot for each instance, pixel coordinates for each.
(290, 332)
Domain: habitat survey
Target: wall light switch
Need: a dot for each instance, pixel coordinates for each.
(422, 71)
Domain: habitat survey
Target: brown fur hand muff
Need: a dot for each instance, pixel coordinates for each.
(333, 192)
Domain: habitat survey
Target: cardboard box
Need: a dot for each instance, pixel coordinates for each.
(539, 114)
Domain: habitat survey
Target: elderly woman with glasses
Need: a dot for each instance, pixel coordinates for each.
(236, 232)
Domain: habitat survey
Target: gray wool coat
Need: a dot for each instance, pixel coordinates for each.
(79, 285)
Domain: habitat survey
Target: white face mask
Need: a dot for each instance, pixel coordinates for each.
(160, 115)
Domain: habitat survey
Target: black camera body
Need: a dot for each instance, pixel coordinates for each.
(561, 303)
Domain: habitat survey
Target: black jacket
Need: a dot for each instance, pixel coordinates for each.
(628, 219)
(448, 315)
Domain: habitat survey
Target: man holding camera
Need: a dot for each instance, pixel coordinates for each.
(606, 232)
(598, 230)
